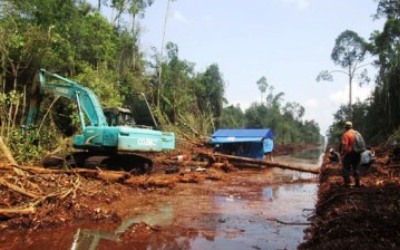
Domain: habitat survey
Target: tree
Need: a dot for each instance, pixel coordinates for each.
(210, 92)
(359, 112)
(135, 8)
(349, 52)
(384, 107)
(232, 117)
(262, 86)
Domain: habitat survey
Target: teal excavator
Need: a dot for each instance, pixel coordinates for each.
(110, 138)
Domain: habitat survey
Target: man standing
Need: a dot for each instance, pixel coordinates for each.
(350, 159)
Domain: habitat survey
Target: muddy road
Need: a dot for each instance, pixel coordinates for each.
(249, 209)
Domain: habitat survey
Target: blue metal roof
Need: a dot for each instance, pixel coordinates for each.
(241, 135)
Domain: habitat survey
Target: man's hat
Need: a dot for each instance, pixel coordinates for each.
(348, 124)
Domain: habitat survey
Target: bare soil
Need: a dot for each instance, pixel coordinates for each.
(365, 217)
(33, 199)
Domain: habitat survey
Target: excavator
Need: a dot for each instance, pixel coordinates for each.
(109, 138)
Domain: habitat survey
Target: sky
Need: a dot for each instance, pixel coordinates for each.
(287, 41)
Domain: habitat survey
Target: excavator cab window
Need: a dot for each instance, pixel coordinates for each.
(111, 119)
(125, 119)
(119, 117)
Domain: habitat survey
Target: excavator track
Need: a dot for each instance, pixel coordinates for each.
(134, 163)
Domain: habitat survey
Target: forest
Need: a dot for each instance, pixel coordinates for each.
(378, 117)
(73, 39)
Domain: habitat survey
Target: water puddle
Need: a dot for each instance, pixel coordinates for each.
(89, 239)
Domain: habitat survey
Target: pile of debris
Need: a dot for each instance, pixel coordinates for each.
(363, 217)
(35, 197)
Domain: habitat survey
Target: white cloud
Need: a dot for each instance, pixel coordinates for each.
(339, 97)
(310, 103)
(242, 104)
(342, 95)
(177, 15)
(301, 4)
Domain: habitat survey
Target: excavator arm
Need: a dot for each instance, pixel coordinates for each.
(86, 100)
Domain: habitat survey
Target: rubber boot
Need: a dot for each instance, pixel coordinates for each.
(358, 183)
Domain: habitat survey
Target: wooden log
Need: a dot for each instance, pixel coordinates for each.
(7, 152)
(10, 158)
(261, 164)
(11, 212)
(248, 165)
(17, 189)
(152, 181)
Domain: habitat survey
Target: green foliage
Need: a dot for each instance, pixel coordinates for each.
(349, 50)
(74, 40)
(232, 117)
(210, 92)
(284, 120)
(103, 83)
(175, 84)
(29, 146)
(324, 75)
(133, 7)
(388, 8)
(9, 103)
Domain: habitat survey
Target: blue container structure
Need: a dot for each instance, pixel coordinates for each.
(252, 143)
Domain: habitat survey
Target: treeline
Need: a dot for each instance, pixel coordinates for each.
(378, 118)
(73, 39)
(285, 119)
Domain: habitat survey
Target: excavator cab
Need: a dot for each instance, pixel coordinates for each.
(138, 113)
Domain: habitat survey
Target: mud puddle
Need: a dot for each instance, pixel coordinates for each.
(250, 210)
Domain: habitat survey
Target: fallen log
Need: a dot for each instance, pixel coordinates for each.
(9, 156)
(158, 181)
(262, 164)
(11, 212)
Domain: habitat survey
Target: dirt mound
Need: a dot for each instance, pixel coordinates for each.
(363, 217)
